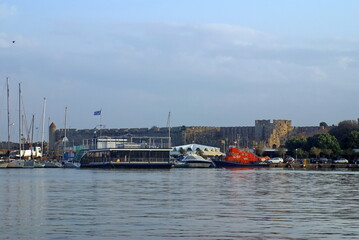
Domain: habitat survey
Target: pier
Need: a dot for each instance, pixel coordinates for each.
(315, 166)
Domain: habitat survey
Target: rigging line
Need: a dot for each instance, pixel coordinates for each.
(3, 101)
(27, 128)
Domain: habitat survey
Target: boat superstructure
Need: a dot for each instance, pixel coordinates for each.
(132, 152)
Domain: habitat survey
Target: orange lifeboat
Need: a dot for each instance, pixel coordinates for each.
(235, 154)
(236, 157)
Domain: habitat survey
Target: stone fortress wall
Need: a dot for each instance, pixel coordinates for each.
(271, 134)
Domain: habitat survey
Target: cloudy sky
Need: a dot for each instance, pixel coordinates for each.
(208, 62)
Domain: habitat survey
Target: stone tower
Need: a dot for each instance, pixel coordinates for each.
(272, 134)
(52, 137)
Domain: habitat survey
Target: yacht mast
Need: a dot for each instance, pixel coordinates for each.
(8, 116)
(65, 138)
(43, 126)
(20, 122)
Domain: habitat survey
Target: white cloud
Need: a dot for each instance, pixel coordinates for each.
(344, 62)
(7, 10)
(169, 65)
(4, 42)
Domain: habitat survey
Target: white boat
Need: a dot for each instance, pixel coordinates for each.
(29, 164)
(194, 161)
(3, 163)
(31, 153)
(52, 164)
(70, 164)
(39, 164)
(16, 163)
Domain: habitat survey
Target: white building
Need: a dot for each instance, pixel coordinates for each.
(207, 151)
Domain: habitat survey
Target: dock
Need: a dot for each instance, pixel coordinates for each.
(315, 166)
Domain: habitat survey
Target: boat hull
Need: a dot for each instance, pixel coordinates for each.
(51, 164)
(127, 165)
(236, 164)
(3, 164)
(39, 164)
(29, 164)
(198, 164)
(70, 164)
(17, 163)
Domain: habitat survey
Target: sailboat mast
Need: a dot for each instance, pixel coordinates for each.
(65, 138)
(32, 133)
(20, 122)
(8, 115)
(43, 126)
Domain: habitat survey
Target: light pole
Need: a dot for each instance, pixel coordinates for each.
(296, 154)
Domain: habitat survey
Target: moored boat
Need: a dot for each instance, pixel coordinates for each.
(194, 161)
(120, 153)
(16, 163)
(3, 163)
(236, 158)
(29, 164)
(52, 164)
(70, 164)
(39, 164)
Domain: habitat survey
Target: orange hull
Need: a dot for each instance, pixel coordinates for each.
(235, 154)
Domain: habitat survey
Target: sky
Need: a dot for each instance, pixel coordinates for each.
(209, 63)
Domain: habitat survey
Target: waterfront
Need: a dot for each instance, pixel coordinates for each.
(178, 204)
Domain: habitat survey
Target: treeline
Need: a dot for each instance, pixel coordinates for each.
(340, 141)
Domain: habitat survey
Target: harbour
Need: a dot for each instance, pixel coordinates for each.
(179, 203)
(179, 120)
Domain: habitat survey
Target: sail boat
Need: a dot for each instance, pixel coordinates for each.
(26, 154)
(13, 163)
(4, 162)
(66, 161)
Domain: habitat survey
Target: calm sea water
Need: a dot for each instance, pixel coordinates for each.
(178, 204)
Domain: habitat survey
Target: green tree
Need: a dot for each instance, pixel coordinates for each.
(323, 124)
(324, 141)
(315, 151)
(281, 151)
(300, 153)
(348, 153)
(353, 140)
(260, 148)
(343, 130)
(295, 143)
(327, 152)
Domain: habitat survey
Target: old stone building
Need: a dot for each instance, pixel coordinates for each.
(271, 134)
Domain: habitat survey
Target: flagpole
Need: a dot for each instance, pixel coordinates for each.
(99, 113)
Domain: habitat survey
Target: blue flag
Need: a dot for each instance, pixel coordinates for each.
(96, 113)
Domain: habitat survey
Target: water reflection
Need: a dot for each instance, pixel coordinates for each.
(180, 203)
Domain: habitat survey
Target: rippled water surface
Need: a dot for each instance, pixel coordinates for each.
(178, 204)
